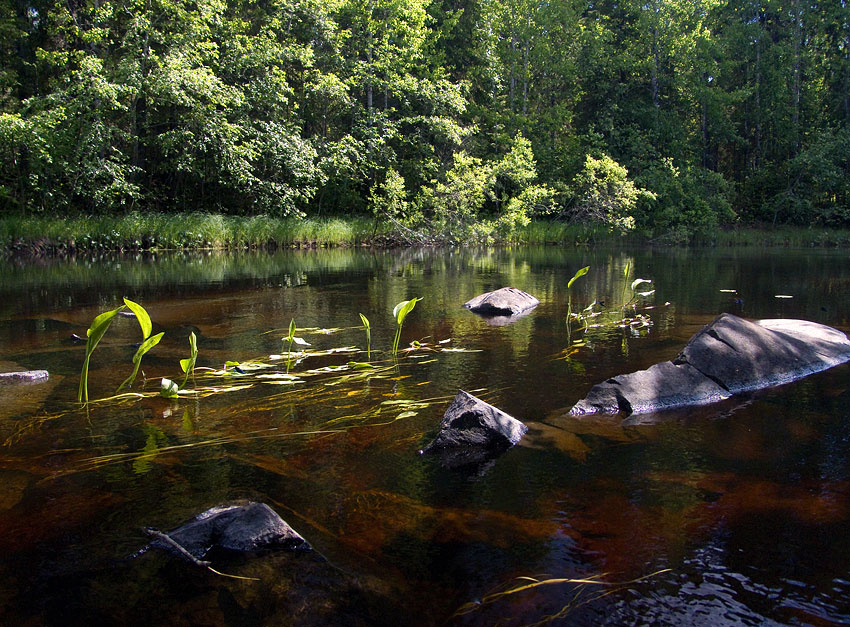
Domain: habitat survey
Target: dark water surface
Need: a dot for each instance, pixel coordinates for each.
(744, 505)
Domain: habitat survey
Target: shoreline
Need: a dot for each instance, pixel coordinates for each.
(45, 236)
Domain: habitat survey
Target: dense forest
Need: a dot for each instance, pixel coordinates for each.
(465, 117)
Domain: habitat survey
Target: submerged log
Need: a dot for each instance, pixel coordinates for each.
(728, 356)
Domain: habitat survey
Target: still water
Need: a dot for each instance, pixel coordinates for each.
(733, 514)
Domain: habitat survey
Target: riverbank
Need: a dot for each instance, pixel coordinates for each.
(50, 235)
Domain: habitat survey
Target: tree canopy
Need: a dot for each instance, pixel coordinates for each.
(467, 116)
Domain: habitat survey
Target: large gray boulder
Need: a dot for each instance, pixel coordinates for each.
(242, 528)
(728, 356)
(472, 425)
(504, 302)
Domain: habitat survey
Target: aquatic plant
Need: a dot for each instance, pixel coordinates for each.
(576, 276)
(94, 333)
(188, 364)
(367, 327)
(98, 329)
(148, 341)
(290, 339)
(400, 312)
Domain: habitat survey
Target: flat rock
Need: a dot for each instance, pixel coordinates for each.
(728, 356)
(472, 425)
(23, 377)
(662, 386)
(743, 355)
(241, 528)
(504, 302)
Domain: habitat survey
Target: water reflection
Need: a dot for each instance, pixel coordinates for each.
(747, 501)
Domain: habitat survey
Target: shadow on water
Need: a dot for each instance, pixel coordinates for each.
(746, 502)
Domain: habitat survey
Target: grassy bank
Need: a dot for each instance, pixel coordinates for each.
(187, 231)
(160, 231)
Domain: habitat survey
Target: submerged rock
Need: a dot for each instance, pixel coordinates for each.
(241, 528)
(728, 356)
(472, 431)
(25, 376)
(504, 302)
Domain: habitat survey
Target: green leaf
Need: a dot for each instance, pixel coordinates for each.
(142, 316)
(365, 321)
(577, 275)
(401, 310)
(94, 333)
(137, 359)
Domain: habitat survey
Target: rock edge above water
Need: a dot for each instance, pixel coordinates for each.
(23, 377)
(504, 302)
(470, 423)
(728, 356)
(243, 528)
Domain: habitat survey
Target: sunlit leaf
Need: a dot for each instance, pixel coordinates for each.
(637, 282)
(137, 359)
(142, 316)
(94, 333)
(577, 276)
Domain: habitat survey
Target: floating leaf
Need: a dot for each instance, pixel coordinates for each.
(783, 296)
(300, 341)
(460, 350)
(729, 291)
(645, 294)
(637, 282)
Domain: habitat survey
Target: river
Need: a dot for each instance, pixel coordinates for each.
(732, 514)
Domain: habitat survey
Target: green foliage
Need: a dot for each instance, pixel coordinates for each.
(94, 333)
(604, 195)
(580, 273)
(368, 328)
(457, 122)
(694, 202)
(400, 312)
(188, 365)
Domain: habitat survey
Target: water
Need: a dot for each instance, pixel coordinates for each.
(743, 507)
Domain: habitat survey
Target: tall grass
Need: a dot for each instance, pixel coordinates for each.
(197, 230)
(135, 231)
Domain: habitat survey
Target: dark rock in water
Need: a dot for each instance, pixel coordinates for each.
(26, 376)
(728, 356)
(507, 302)
(473, 430)
(242, 528)
(742, 355)
(661, 386)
